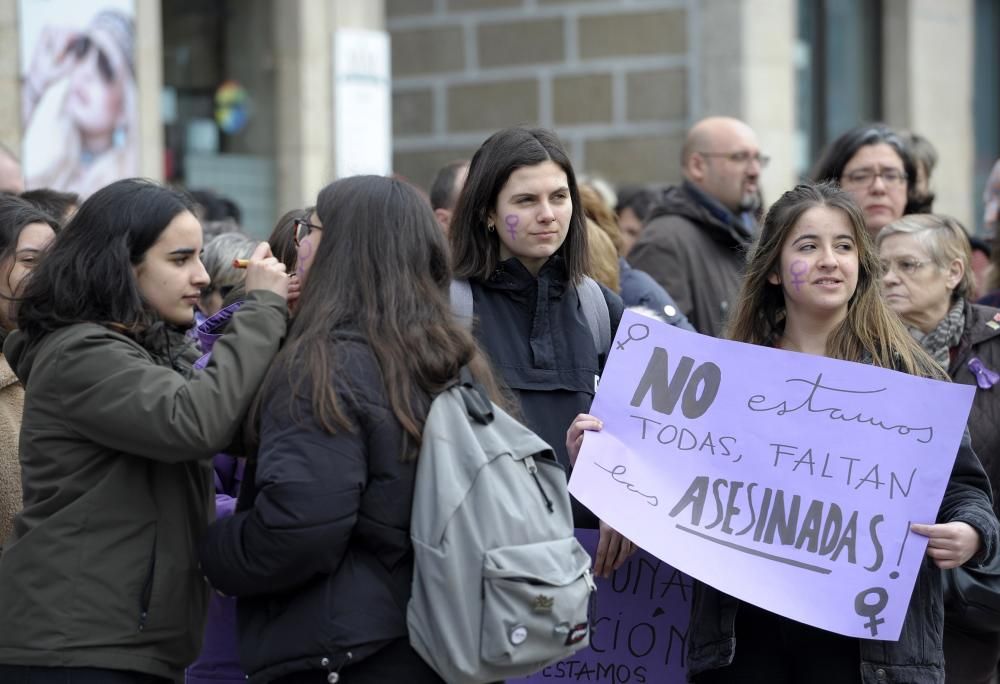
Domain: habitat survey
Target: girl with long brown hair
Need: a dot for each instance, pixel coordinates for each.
(322, 562)
(812, 286)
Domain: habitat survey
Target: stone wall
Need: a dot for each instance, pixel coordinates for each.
(612, 77)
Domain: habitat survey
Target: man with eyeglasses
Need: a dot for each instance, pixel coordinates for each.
(695, 241)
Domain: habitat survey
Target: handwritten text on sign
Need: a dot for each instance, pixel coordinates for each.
(783, 479)
(640, 629)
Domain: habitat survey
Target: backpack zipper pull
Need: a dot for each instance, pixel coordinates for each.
(529, 463)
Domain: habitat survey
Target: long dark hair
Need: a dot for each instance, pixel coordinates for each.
(831, 164)
(381, 270)
(16, 214)
(475, 249)
(87, 274)
(869, 331)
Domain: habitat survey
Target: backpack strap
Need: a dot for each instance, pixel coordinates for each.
(595, 308)
(460, 293)
(477, 404)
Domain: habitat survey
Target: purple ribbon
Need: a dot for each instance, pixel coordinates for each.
(985, 378)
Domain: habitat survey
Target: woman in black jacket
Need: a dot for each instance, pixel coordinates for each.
(322, 561)
(518, 237)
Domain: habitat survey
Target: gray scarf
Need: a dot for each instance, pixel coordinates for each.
(939, 341)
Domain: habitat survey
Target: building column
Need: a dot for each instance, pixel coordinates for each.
(149, 82)
(10, 81)
(303, 47)
(927, 75)
(747, 71)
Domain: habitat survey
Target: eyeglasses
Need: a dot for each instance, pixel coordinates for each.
(865, 177)
(743, 157)
(903, 266)
(79, 48)
(303, 228)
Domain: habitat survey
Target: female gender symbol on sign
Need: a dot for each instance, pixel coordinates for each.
(640, 327)
(871, 610)
(798, 268)
(511, 221)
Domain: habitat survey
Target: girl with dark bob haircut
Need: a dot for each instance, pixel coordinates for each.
(812, 286)
(99, 579)
(519, 242)
(321, 560)
(25, 232)
(875, 166)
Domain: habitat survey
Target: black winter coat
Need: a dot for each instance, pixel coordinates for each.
(538, 341)
(697, 253)
(982, 341)
(323, 561)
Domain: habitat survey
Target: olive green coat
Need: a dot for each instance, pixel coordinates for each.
(101, 569)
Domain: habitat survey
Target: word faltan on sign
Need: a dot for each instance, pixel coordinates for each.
(786, 480)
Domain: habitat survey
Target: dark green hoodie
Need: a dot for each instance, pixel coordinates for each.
(101, 569)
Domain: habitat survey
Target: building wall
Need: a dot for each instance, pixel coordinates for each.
(928, 76)
(614, 78)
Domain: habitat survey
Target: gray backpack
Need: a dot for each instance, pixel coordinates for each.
(501, 586)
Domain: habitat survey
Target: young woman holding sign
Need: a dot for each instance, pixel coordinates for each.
(812, 286)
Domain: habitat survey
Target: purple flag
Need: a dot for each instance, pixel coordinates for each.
(784, 479)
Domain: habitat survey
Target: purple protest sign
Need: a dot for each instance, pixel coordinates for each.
(640, 628)
(783, 479)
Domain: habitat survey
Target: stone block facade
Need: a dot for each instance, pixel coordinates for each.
(610, 76)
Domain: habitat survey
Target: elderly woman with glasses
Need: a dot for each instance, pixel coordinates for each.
(927, 281)
(875, 166)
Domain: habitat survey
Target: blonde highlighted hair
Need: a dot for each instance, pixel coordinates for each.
(870, 332)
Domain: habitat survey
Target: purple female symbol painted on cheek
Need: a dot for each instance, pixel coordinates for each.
(798, 269)
(511, 220)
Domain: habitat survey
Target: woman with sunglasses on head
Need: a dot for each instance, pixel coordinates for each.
(839, 313)
(25, 232)
(322, 559)
(99, 580)
(79, 106)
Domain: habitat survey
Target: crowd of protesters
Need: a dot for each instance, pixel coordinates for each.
(184, 409)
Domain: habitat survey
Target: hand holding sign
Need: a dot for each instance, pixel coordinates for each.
(574, 436)
(950, 544)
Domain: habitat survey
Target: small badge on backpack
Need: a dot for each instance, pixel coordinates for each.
(542, 604)
(518, 635)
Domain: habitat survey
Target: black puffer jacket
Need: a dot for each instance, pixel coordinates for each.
(539, 344)
(696, 251)
(322, 562)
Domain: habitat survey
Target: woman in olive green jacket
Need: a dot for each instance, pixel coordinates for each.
(25, 231)
(100, 572)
